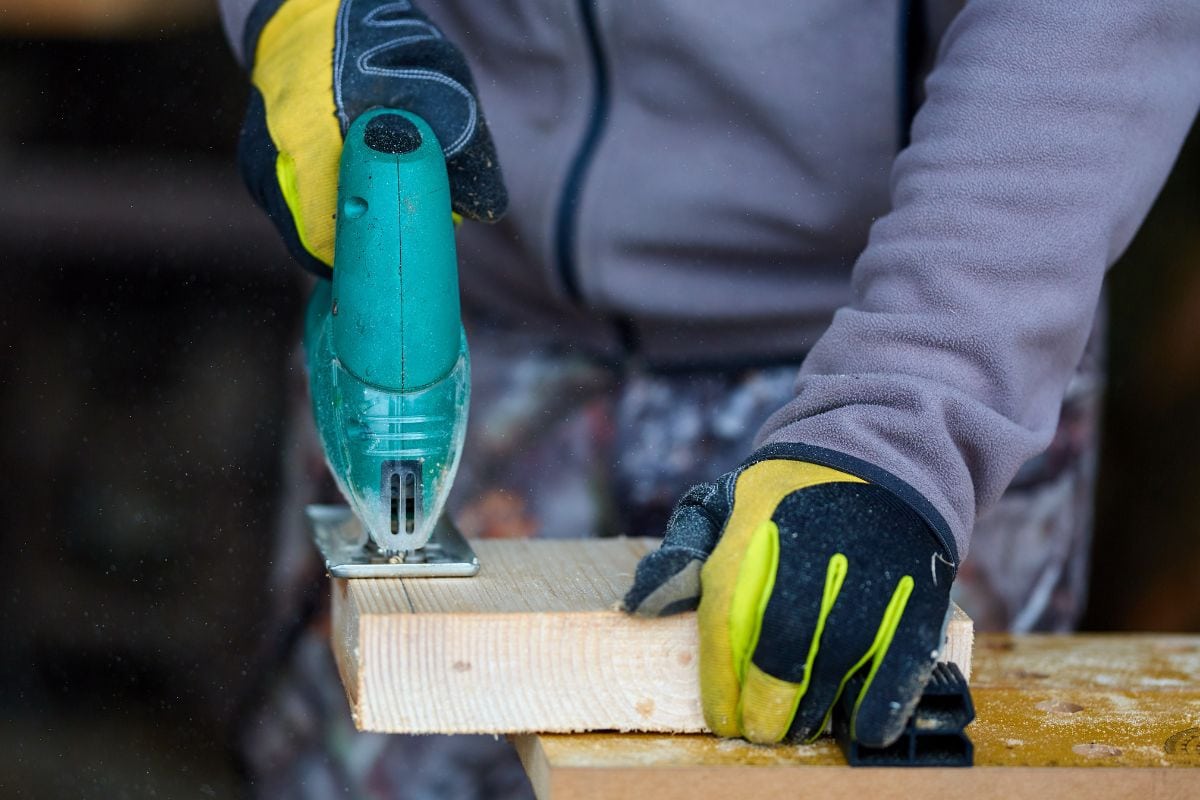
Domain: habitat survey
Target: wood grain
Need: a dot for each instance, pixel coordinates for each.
(1058, 716)
(532, 643)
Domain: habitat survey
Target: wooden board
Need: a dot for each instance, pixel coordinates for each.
(1051, 711)
(533, 643)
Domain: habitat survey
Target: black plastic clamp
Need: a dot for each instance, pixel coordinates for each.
(934, 735)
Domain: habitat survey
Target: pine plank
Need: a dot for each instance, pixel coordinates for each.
(532, 643)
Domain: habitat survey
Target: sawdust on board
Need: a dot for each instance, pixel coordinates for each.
(1099, 702)
(664, 750)
(1130, 662)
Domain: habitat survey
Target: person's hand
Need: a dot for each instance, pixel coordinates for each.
(315, 66)
(813, 581)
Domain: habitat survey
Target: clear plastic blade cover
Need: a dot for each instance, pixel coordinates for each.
(394, 454)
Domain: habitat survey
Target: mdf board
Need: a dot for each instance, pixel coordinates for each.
(1099, 716)
(533, 643)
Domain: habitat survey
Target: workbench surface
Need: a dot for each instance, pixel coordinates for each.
(1050, 711)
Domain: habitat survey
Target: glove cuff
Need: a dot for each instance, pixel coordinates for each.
(871, 474)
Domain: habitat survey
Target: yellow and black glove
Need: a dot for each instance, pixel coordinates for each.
(817, 576)
(315, 66)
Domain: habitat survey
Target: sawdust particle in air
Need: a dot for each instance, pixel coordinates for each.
(645, 707)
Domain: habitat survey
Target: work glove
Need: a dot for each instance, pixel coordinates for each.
(817, 575)
(315, 65)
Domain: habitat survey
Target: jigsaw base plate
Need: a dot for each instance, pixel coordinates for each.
(349, 552)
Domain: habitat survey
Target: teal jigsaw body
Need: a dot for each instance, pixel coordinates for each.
(386, 352)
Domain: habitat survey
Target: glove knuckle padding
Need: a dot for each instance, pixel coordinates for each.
(390, 54)
(707, 498)
(395, 57)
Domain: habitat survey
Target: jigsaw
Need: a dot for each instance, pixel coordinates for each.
(388, 366)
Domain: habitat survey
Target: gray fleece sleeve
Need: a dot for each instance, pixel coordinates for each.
(233, 19)
(1047, 130)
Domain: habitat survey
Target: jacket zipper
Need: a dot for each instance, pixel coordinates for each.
(566, 223)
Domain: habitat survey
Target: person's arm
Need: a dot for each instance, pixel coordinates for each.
(1047, 131)
(822, 565)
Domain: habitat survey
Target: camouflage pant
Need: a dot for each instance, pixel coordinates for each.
(560, 446)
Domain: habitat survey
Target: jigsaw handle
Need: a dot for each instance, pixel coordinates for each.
(396, 318)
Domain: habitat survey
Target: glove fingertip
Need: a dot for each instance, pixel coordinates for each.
(489, 208)
(477, 186)
(875, 729)
(667, 582)
(886, 706)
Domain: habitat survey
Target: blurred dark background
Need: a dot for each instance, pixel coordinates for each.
(148, 318)
(149, 314)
